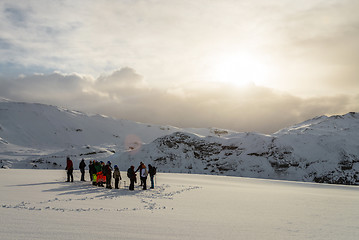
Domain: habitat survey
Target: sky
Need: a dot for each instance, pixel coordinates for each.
(241, 65)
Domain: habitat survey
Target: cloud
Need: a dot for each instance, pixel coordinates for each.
(175, 45)
(51, 88)
(252, 108)
(16, 15)
(315, 47)
(119, 82)
(313, 43)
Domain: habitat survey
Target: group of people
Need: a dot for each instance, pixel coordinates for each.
(101, 173)
(131, 174)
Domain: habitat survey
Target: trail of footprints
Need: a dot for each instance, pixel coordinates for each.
(147, 200)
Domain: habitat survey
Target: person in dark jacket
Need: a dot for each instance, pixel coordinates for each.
(91, 170)
(116, 176)
(152, 172)
(108, 173)
(82, 166)
(132, 176)
(70, 169)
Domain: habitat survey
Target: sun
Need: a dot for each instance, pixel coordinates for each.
(240, 69)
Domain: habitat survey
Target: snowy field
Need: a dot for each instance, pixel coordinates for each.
(39, 204)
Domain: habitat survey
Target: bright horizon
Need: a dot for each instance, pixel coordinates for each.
(245, 66)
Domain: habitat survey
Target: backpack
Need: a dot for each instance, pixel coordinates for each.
(129, 173)
(153, 171)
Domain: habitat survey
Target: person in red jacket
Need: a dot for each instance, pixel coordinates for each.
(70, 169)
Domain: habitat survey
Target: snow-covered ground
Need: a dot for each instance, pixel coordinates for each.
(39, 204)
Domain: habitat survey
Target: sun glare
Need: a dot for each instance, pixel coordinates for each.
(240, 69)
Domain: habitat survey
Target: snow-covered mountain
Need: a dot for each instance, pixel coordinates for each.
(323, 149)
(42, 135)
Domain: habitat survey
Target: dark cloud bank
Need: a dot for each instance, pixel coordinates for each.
(124, 94)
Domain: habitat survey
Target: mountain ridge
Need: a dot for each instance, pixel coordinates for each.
(322, 149)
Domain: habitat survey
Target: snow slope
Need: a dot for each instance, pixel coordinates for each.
(323, 149)
(38, 125)
(38, 204)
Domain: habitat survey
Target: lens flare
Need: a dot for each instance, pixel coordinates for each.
(133, 143)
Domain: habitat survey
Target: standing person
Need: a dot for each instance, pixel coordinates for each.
(139, 169)
(132, 176)
(101, 177)
(96, 169)
(152, 172)
(70, 169)
(91, 170)
(108, 174)
(82, 166)
(143, 176)
(116, 176)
